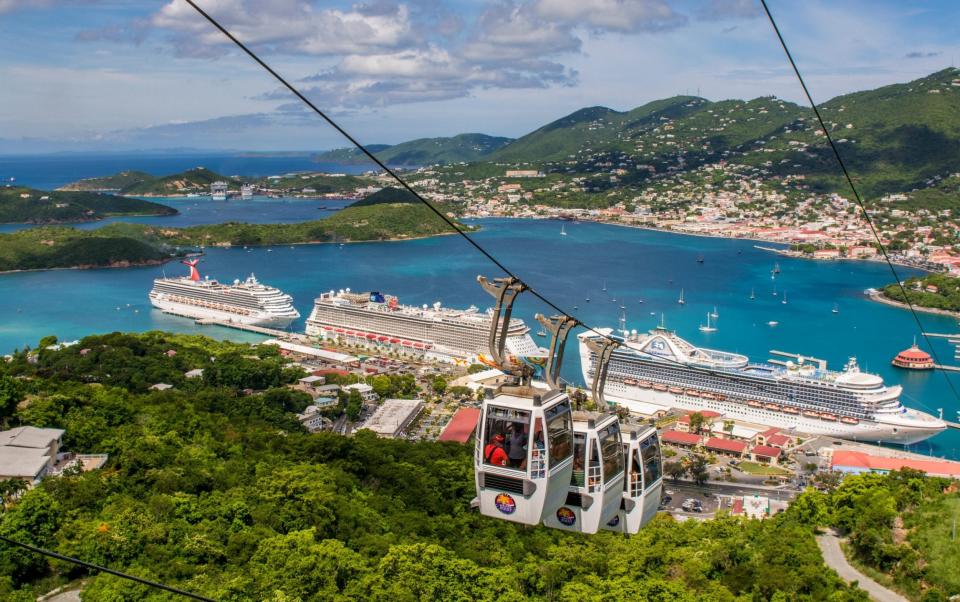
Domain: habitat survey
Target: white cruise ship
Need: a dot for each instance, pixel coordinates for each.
(660, 370)
(247, 302)
(376, 319)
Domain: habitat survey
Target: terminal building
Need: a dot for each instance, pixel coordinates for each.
(393, 416)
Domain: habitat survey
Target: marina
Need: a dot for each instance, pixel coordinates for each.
(644, 268)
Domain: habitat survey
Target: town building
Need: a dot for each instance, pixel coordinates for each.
(393, 416)
(766, 454)
(680, 439)
(365, 391)
(28, 452)
(461, 426)
(854, 462)
(726, 447)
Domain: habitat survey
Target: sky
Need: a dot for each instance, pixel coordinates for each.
(109, 75)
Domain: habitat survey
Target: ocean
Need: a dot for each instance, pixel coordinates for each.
(644, 271)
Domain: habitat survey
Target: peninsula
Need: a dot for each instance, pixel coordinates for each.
(29, 206)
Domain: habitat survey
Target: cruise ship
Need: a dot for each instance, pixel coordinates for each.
(660, 370)
(376, 319)
(246, 302)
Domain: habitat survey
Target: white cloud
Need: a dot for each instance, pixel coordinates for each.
(626, 16)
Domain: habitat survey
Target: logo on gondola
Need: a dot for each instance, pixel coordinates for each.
(614, 521)
(505, 503)
(566, 516)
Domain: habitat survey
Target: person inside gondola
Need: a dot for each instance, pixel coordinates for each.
(517, 448)
(494, 453)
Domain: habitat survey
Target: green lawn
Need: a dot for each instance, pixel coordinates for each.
(762, 469)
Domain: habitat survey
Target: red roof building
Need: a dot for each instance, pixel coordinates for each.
(913, 359)
(779, 440)
(461, 426)
(683, 424)
(726, 446)
(766, 454)
(679, 438)
(857, 462)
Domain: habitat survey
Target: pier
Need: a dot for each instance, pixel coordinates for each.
(270, 332)
(939, 335)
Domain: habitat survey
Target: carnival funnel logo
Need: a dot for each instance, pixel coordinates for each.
(566, 516)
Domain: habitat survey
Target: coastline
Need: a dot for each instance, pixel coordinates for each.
(879, 297)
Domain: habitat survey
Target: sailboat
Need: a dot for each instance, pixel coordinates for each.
(776, 268)
(708, 327)
(541, 333)
(774, 290)
(563, 231)
(680, 300)
(604, 289)
(784, 300)
(836, 308)
(753, 294)
(714, 314)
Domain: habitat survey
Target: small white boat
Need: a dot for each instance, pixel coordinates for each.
(714, 313)
(563, 232)
(784, 300)
(772, 323)
(753, 294)
(708, 327)
(680, 300)
(836, 308)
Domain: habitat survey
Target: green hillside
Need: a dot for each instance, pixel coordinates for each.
(221, 492)
(425, 151)
(196, 180)
(62, 247)
(26, 205)
(894, 138)
(387, 195)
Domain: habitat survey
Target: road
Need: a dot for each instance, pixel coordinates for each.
(833, 556)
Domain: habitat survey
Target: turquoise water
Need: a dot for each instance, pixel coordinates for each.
(198, 211)
(636, 264)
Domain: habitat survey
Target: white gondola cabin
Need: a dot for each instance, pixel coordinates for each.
(523, 460)
(596, 485)
(643, 484)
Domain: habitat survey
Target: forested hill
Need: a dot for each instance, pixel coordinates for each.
(26, 205)
(424, 151)
(140, 183)
(124, 244)
(222, 493)
(894, 138)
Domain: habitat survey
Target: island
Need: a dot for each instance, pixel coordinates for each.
(21, 205)
(128, 244)
(198, 182)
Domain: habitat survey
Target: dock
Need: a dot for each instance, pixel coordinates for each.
(270, 332)
(939, 335)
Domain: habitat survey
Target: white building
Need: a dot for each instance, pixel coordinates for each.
(366, 392)
(393, 417)
(28, 452)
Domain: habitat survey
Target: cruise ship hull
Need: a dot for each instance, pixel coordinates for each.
(906, 428)
(254, 318)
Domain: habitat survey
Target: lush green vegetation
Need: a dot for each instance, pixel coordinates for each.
(424, 151)
(945, 294)
(900, 525)
(140, 183)
(130, 244)
(387, 195)
(221, 492)
(26, 205)
(62, 247)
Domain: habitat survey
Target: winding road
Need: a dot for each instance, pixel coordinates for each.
(833, 556)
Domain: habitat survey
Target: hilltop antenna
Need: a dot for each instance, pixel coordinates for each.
(559, 327)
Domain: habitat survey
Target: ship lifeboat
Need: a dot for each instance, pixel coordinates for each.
(828, 417)
(328, 327)
(708, 395)
(383, 339)
(371, 336)
(772, 406)
(340, 330)
(675, 390)
(692, 392)
(418, 345)
(790, 410)
(721, 397)
(644, 384)
(850, 420)
(349, 333)
(659, 387)
(407, 343)
(811, 414)
(394, 341)
(630, 381)
(753, 403)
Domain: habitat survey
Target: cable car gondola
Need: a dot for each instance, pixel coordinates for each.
(643, 481)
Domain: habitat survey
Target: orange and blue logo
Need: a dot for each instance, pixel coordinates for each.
(505, 503)
(566, 516)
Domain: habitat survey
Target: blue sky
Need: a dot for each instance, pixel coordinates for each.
(112, 75)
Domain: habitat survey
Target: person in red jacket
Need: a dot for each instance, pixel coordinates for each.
(494, 453)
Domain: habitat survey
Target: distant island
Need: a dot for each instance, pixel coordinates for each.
(198, 181)
(387, 217)
(20, 205)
